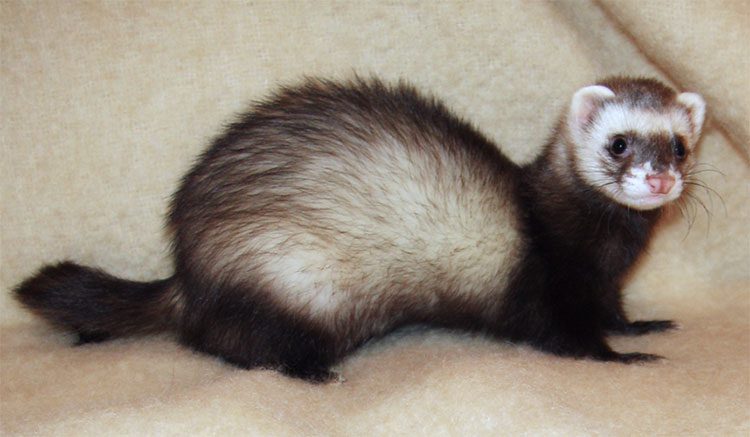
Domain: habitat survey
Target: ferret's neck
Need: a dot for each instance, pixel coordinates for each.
(573, 216)
(553, 183)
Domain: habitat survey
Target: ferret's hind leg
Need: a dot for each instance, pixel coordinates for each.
(249, 331)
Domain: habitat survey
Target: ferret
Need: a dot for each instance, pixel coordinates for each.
(333, 213)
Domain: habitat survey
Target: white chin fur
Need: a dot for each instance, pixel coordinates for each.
(644, 203)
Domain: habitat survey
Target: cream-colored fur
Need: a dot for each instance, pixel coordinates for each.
(378, 218)
(105, 105)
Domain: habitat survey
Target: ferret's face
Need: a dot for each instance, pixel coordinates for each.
(634, 154)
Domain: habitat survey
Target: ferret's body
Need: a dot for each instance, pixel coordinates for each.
(335, 213)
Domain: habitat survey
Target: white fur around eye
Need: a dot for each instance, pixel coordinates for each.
(618, 119)
(614, 119)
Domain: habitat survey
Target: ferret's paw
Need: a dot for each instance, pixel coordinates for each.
(641, 327)
(646, 326)
(634, 357)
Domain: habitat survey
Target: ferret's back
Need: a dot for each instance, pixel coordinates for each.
(344, 199)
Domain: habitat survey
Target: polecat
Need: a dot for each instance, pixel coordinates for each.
(334, 213)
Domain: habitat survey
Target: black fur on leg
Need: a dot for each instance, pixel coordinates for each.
(91, 337)
(245, 329)
(556, 308)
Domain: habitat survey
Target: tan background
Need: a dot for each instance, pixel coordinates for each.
(106, 104)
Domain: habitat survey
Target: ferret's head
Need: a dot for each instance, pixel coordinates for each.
(634, 139)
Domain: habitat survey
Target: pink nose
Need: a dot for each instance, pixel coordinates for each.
(660, 183)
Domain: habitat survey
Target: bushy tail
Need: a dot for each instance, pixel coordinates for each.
(96, 305)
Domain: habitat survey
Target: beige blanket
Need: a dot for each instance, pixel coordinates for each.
(106, 104)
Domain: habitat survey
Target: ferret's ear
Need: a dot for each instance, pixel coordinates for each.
(696, 107)
(585, 103)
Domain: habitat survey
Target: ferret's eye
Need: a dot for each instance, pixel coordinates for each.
(679, 148)
(618, 146)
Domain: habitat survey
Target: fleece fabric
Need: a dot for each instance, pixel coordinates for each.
(104, 105)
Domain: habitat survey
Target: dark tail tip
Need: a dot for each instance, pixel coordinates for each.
(94, 304)
(41, 292)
